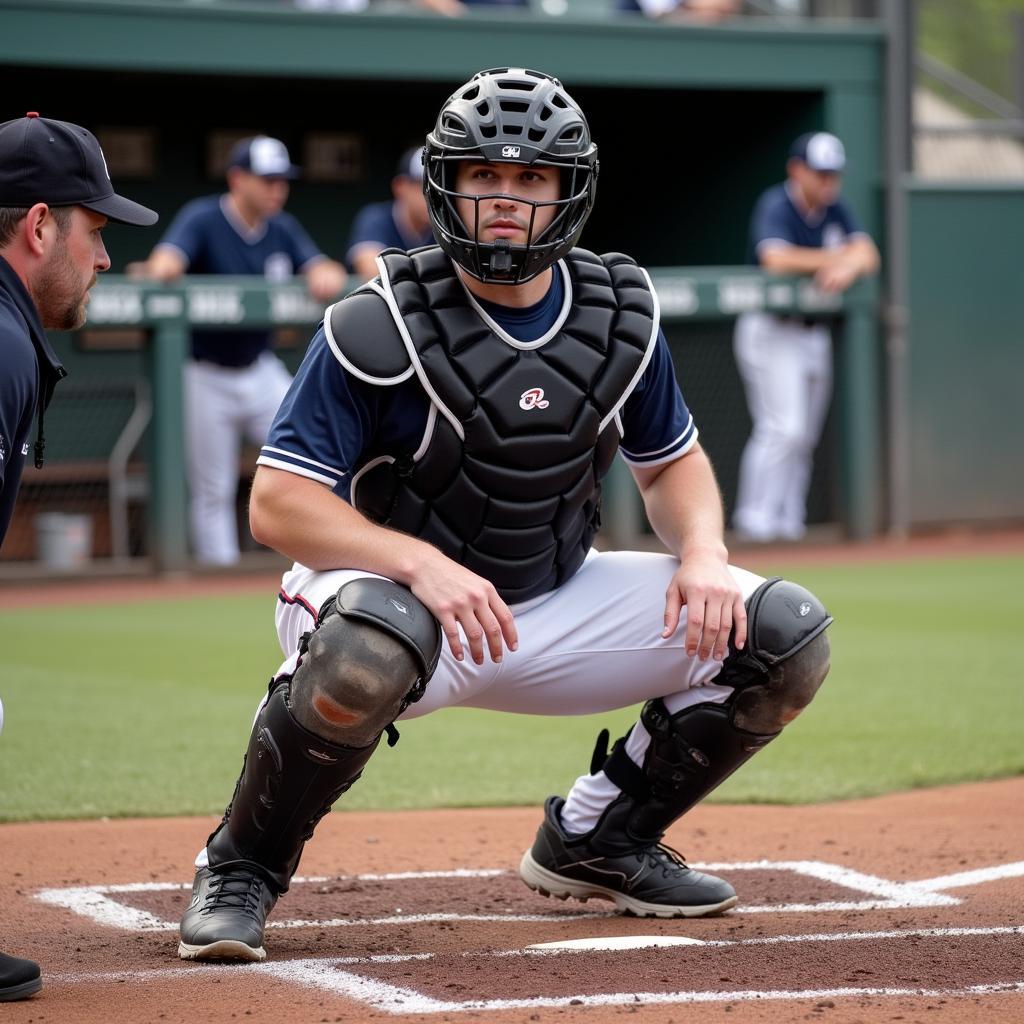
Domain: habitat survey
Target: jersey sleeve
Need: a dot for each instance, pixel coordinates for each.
(850, 221)
(187, 232)
(657, 425)
(770, 224)
(323, 423)
(303, 249)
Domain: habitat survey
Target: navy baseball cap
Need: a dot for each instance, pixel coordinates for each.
(410, 164)
(60, 164)
(821, 151)
(263, 156)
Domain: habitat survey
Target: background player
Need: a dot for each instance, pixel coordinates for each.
(435, 472)
(400, 224)
(798, 227)
(55, 198)
(233, 382)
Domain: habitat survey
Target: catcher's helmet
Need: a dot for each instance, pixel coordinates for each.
(510, 115)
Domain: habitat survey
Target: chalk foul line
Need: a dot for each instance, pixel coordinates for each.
(99, 904)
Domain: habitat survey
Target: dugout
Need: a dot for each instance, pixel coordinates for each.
(692, 123)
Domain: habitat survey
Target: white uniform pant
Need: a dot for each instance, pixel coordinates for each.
(591, 646)
(223, 406)
(787, 375)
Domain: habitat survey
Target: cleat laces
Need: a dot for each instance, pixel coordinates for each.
(234, 892)
(660, 855)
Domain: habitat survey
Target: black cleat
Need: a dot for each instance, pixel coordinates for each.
(226, 917)
(18, 978)
(650, 880)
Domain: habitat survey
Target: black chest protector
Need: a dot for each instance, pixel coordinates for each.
(507, 477)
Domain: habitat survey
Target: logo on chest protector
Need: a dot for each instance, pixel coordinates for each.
(533, 398)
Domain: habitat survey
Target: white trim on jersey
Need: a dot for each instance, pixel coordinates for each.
(525, 346)
(338, 473)
(774, 243)
(175, 248)
(363, 471)
(414, 356)
(351, 367)
(652, 341)
(247, 234)
(290, 467)
(680, 446)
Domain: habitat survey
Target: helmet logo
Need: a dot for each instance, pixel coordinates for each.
(532, 398)
(805, 608)
(510, 152)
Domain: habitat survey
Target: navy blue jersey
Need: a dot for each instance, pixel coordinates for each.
(214, 241)
(377, 223)
(777, 219)
(329, 417)
(26, 363)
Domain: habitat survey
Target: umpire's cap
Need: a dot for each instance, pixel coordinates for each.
(60, 164)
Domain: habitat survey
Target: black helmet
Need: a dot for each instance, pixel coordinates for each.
(510, 115)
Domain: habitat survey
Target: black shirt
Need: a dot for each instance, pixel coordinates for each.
(29, 370)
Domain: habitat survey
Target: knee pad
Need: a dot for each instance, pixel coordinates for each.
(785, 660)
(371, 654)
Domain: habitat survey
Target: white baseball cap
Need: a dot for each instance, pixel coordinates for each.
(263, 156)
(821, 151)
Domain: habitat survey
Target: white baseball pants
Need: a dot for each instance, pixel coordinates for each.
(787, 375)
(593, 645)
(223, 406)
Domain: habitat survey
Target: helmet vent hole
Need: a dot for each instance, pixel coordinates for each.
(454, 125)
(559, 102)
(536, 134)
(513, 129)
(514, 106)
(471, 94)
(573, 134)
(508, 83)
(546, 113)
(488, 131)
(483, 108)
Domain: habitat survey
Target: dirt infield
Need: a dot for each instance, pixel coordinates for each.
(899, 908)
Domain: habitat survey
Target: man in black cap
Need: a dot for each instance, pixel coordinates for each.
(55, 198)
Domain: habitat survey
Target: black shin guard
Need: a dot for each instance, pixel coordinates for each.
(290, 778)
(691, 753)
(696, 749)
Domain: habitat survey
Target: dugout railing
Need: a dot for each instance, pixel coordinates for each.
(116, 433)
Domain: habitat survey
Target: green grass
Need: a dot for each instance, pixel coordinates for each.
(144, 709)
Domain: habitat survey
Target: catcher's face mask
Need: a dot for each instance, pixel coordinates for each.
(509, 117)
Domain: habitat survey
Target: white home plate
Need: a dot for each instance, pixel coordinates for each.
(620, 942)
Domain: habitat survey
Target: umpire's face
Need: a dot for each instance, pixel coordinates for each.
(76, 254)
(507, 197)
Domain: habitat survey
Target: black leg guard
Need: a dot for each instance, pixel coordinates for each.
(290, 778)
(695, 750)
